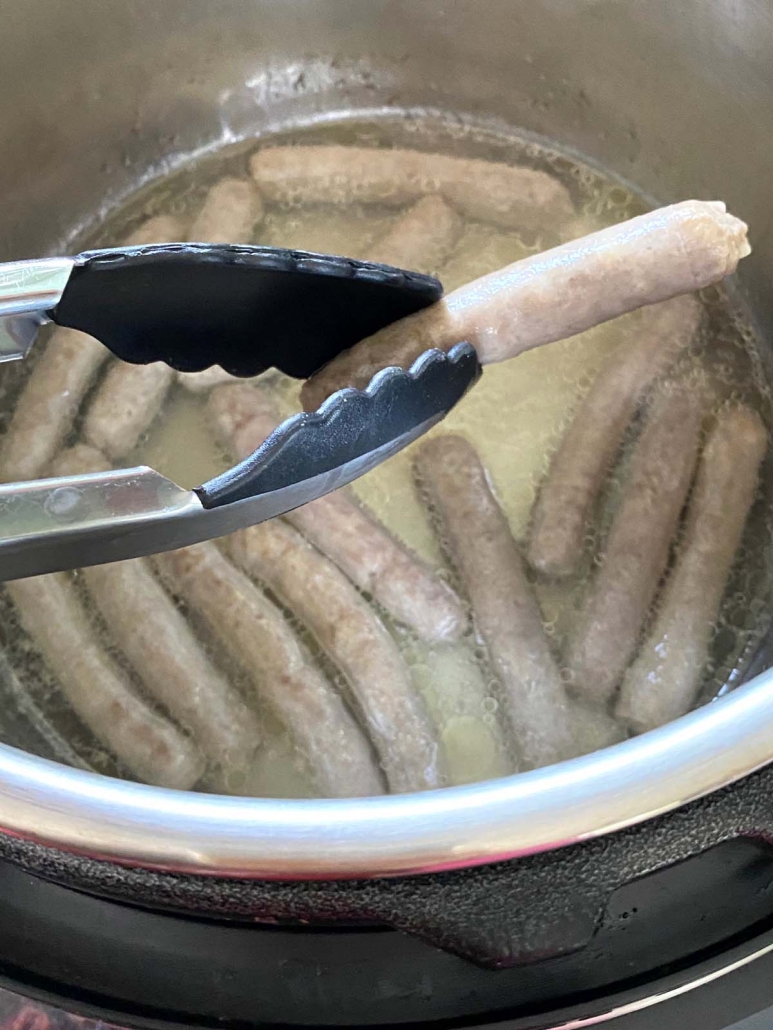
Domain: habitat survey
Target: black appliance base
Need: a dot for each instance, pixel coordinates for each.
(112, 962)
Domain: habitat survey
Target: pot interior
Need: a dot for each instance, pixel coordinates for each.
(101, 144)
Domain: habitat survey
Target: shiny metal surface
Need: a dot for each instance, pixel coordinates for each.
(444, 829)
(643, 1004)
(27, 286)
(33, 285)
(28, 289)
(675, 97)
(69, 522)
(63, 523)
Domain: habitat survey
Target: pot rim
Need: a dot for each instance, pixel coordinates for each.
(170, 830)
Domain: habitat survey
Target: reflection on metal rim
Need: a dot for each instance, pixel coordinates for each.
(133, 824)
(641, 1004)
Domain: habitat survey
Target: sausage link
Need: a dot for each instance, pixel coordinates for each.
(158, 229)
(48, 403)
(382, 566)
(652, 340)
(664, 680)
(621, 594)
(544, 722)
(556, 294)
(421, 238)
(510, 195)
(257, 635)
(151, 632)
(342, 529)
(100, 693)
(16, 688)
(124, 405)
(355, 639)
(231, 210)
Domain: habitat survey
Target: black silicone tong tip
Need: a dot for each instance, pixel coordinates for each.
(194, 305)
(352, 426)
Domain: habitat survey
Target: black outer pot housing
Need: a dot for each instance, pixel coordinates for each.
(535, 941)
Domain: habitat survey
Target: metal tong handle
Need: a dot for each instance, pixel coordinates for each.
(28, 291)
(55, 524)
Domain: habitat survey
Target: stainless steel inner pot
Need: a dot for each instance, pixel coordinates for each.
(676, 97)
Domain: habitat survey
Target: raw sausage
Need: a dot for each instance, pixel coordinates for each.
(510, 195)
(49, 402)
(158, 229)
(99, 691)
(229, 214)
(505, 611)
(124, 405)
(556, 294)
(652, 339)
(663, 681)
(421, 238)
(612, 617)
(355, 639)
(257, 635)
(149, 629)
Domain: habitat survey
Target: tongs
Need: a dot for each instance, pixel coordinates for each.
(246, 309)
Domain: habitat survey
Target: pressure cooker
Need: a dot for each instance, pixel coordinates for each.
(633, 886)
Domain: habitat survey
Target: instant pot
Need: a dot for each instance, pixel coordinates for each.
(633, 886)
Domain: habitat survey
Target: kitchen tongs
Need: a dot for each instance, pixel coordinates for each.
(194, 305)
(51, 525)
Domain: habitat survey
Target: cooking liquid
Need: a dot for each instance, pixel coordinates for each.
(515, 417)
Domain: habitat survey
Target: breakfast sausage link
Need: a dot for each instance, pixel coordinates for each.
(125, 404)
(355, 639)
(49, 402)
(158, 229)
(556, 294)
(231, 210)
(257, 635)
(342, 529)
(510, 195)
(636, 554)
(100, 693)
(148, 628)
(505, 611)
(421, 238)
(652, 339)
(381, 566)
(663, 681)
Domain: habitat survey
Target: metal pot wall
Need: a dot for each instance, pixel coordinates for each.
(675, 97)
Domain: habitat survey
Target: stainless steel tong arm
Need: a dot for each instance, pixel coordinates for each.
(51, 525)
(28, 290)
(64, 523)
